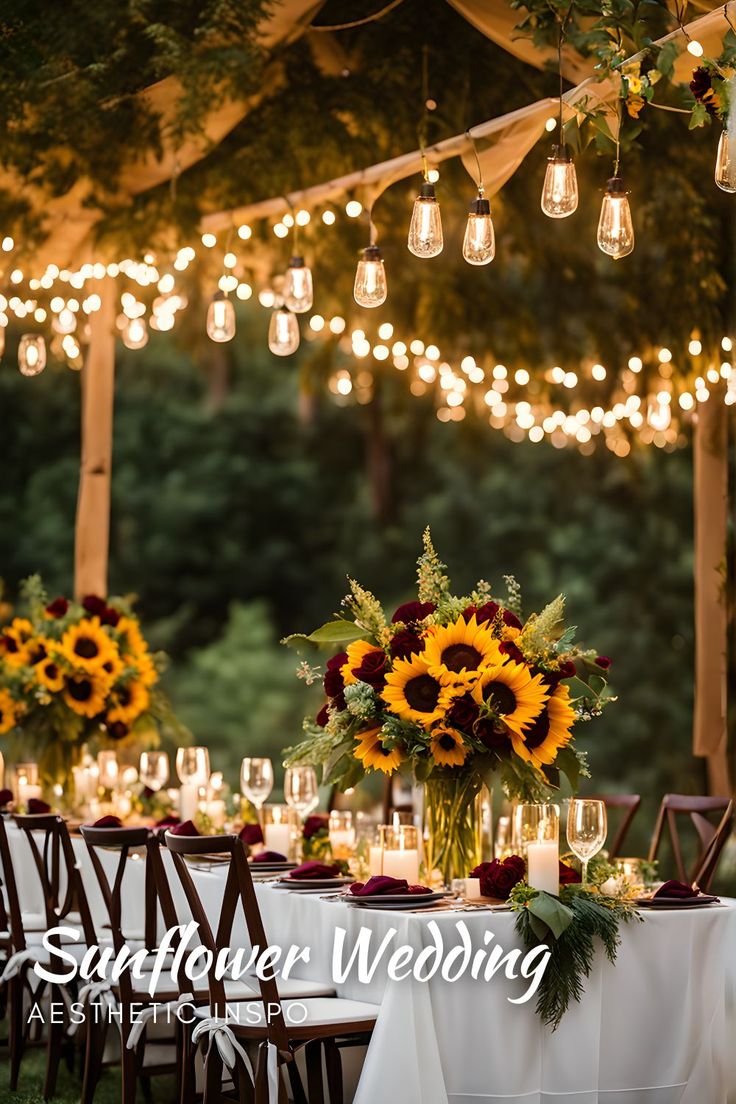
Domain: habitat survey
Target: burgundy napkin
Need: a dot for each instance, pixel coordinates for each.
(677, 889)
(313, 869)
(268, 856)
(108, 822)
(6, 796)
(250, 834)
(381, 884)
(35, 806)
(167, 822)
(187, 828)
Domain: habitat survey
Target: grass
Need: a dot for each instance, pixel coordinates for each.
(30, 1086)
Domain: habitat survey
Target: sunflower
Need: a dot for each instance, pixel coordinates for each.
(87, 645)
(85, 693)
(447, 747)
(356, 653)
(147, 672)
(38, 649)
(512, 693)
(10, 711)
(372, 752)
(113, 666)
(128, 702)
(457, 653)
(414, 694)
(14, 642)
(131, 638)
(50, 674)
(549, 732)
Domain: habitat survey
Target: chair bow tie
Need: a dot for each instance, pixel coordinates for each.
(152, 1012)
(92, 992)
(14, 964)
(230, 1050)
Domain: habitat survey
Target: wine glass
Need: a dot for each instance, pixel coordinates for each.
(154, 769)
(256, 781)
(300, 789)
(586, 830)
(193, 766)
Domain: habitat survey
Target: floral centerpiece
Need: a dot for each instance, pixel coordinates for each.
(76, 673)
(457, 690)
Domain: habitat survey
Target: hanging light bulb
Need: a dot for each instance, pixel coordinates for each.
(298, 290)
(725, 173)
(283, 332)
(370, 288)
(31, 354)
(135, 333)
(479, 243)
(65, 322)
(615, 228)
(425, 228)
(220, 318)
(560, 190)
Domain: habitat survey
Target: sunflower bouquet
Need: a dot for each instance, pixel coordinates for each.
(73, 672)
(455, 690)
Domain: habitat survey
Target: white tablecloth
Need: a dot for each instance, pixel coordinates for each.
(649, 1030)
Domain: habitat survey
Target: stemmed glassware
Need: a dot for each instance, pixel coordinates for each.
(586, 830)
(154, 769)
(193, 766)
(256, 781)
(301, 790)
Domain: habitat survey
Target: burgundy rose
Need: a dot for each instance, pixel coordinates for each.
(463, 713)
(6, 796)
(339, 703)
(334, 683)
(314, 824)
(510, 619)
(495, 739)
(487, 612)
(701, 87)
(507, 647)
(118, 730)
(567, 669)
(603, 662)
(94, 605)
(109, 616)
(58, 607)
(372, 669)
(568, 875)
(250, 834)
(411, 612)
(406, 643)
(497, 879)
(323, 716)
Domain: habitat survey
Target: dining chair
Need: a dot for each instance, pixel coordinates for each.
(226, 1029)
(629, 803)
(13, 989)
(711, 837)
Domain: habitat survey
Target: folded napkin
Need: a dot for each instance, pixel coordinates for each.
(250, 834)
(167, 822)
(187, 828)
(108, 822)
(313, 869)
(381, 884)
(35, 806)
(6, 796)
(677, 889)
(269, 856)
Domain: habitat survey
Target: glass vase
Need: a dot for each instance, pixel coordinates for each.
(454, 806)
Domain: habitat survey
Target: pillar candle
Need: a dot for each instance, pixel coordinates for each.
(277, 837)
(543, 866)
(188, 801)
(375, 860)
(401, 864)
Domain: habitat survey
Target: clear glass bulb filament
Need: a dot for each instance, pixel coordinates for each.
(560, 190)
(725, 173)
(298, 290)
(221, 319)
(479, 243)
(283, 332)
(425, 228)
(370, 288)
(31, 354)
(615, 228)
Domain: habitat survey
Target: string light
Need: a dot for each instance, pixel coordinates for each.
(31, 354)
(135, 333)
(370, 289)
(479, 242)
(725, 170)
(425, 228)
(298, 290)
(615, 227)
(220, 318)
(283, 332)
(560, 189)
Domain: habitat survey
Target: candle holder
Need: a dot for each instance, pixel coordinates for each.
(342, 834)
(193, 768)
(537, 832)
(401, 852)
(281, 826)
(108, 771)
(27, 784)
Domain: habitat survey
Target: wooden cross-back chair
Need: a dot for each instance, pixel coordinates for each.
(64, 906)
(629, 803)
(330, 1021)
(712, 837)
(12, 941)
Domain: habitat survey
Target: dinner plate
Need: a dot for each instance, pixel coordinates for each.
(271, 867)
(677, 902)
(311, 883)
(395, 900)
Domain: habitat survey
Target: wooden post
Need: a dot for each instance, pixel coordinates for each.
(93, 503)
(710, 489)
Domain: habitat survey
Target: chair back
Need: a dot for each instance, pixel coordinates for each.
(238, 890)
(58, 870)
(712, 837)
(630, 804)
(11, 919)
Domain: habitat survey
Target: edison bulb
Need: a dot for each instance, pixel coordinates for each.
(31, 354)
(615, 228)
(479, 243)
(725, 173)
(298, 289)
(370, 288)
(65, 322)
(220, 318)
(560, 190)
(135, 333)
(425, 228)
(283, 332)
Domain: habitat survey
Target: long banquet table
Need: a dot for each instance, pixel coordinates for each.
(649, 1030)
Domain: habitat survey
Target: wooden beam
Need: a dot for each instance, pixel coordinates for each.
(710, 490)
(93, 503)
